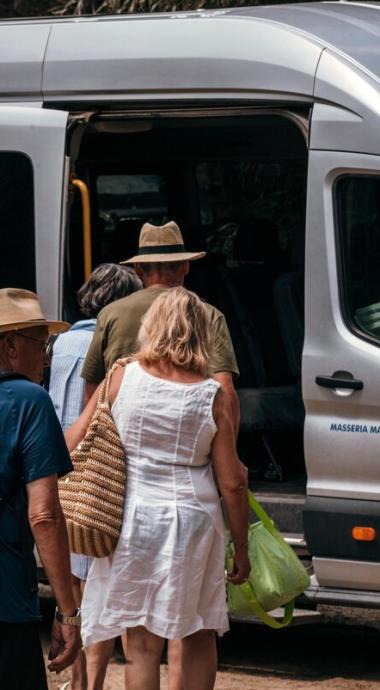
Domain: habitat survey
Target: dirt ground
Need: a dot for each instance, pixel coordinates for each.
(236, 680)
(321, 656)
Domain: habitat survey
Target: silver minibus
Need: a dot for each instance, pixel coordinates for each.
(257, 130)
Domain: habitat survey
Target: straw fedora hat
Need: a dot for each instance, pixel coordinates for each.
(162, 243)
(21, 309)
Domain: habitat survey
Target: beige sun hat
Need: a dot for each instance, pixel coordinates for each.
(162, 243)
(21, 309)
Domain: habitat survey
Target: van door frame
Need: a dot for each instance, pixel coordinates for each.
(41, 136)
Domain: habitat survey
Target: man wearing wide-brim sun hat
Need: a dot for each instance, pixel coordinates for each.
(32, 454)
(161, 262)
(162, 243)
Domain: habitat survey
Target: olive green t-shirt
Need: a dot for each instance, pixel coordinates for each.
(117, 329)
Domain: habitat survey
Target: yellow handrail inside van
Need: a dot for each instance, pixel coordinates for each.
(86, 220)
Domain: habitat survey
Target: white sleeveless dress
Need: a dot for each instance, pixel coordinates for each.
(167, 572)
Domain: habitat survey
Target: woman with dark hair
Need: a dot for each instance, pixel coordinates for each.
(107, 283)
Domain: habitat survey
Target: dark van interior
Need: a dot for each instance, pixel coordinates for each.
(236, 186)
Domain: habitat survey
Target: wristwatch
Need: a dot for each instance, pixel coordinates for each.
(68, 620)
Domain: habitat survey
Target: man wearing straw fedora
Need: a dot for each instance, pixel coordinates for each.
(32, 455)
(161, 262)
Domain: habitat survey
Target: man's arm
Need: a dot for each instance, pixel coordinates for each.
(93, 370)
(49, 530)
(224, 364)
(89, 390)
(226, 381)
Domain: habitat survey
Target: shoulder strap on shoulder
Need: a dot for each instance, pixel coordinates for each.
(104, 394)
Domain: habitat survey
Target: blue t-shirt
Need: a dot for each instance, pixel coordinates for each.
(32, 446)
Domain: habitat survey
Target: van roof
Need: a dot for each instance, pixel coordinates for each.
(351, 28)
(268, 52)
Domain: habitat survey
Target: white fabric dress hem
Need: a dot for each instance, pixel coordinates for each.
(171, 632)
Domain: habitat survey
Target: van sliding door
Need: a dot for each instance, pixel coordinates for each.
(32, 170)
(341, 369)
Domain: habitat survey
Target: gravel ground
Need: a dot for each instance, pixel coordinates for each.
(233, 678)
(326, 655)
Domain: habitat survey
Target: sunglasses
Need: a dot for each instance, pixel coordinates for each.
(46, 345)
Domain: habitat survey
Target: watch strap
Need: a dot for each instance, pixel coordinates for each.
(75, 619)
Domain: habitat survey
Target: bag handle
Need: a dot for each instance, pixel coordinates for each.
(263, 615)
(261, 513)
(104, 393)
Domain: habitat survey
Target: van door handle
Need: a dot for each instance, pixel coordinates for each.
(334, 382)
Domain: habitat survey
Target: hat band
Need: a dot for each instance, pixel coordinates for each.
(162, 249)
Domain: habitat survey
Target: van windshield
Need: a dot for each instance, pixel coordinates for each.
(131, 196)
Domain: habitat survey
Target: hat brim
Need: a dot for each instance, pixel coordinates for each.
(53, 327)
(157, 258)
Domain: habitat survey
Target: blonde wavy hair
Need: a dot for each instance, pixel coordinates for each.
(176, 329)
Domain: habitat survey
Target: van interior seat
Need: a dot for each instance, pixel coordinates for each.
(276, 408)
(288, 293)
(275, 317)
(368, 318)
(280, 407)
(212, 280)
(258, 262)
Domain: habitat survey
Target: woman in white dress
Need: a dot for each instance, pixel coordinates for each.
(166, 577)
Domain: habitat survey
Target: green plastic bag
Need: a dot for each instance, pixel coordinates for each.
(277, 575)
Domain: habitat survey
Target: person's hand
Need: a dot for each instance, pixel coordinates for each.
(64, 646)
(241, 567)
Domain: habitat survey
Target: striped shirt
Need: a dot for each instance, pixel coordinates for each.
(66, 385)
(66, 390)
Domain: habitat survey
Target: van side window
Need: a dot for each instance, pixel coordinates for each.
(358, 206)
(17, 256)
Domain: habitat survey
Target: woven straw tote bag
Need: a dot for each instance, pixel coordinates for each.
(92, 495)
